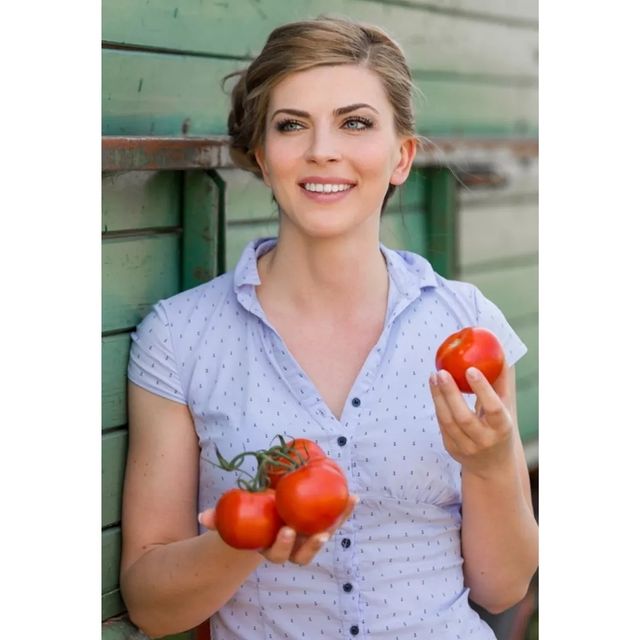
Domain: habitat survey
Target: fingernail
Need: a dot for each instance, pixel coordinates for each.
(433, 379)
(200, 518)
(322, 539)
(473, 373)
(443, 376)
(288, 534)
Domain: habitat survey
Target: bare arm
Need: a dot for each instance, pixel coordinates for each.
(499, 531)
(171, 578)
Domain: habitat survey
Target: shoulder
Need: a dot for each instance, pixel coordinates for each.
(204, 297)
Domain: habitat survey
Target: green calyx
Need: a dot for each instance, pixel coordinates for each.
(281, 456)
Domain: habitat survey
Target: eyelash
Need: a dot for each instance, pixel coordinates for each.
(283, 124)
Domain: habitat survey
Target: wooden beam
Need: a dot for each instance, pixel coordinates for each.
(142, 153)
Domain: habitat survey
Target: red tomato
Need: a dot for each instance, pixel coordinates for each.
(470, 347)
(312, 498)
(248, 520)
(307, 449)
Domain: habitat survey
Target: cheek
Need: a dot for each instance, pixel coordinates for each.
(375, 159)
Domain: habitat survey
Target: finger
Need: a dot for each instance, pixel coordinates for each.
(207, 518)
(310, 547)
(280, 551)
(493, 409)
(443, 386)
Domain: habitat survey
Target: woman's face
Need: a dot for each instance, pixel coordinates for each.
(331, 150)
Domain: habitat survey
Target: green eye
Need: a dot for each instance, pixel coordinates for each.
(288, 125)
(356, 124)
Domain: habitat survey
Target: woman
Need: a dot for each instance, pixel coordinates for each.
(323, 333)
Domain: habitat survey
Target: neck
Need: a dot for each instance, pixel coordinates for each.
(323, 276)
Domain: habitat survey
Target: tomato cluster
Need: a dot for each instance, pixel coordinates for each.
(296, 485)
(470, 347)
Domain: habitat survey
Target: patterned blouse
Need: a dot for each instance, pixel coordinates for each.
(394, 568)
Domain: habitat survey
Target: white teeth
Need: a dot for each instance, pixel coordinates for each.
(327, 188)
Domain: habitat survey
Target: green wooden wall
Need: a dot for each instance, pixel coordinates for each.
(475, 64)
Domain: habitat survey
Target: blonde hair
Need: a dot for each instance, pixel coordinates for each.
(298, 46)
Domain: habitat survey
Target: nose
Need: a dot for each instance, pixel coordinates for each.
(323, 147)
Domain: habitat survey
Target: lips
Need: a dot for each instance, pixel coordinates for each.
(324, 186)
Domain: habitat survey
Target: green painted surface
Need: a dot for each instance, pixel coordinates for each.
(432, 41)
(247, 197)
(136, 273)
(160, 94)
(140, 200)
(527, 366)
(441, 205)
(406, 230)
(115, 357)
(528, 412)
(201, 238)
(240, 234)
(112, 604)
(514, 290)
(502, 231)
(124, 630)
(111, 546)
(154, 94)
(114, 451)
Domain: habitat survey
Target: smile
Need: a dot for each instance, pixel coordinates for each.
(326, 188)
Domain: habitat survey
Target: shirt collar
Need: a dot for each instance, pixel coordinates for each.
(410, 271)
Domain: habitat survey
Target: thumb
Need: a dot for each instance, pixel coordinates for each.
(207, 518)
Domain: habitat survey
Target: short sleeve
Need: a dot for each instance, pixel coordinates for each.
(490, 317)
(152, 361)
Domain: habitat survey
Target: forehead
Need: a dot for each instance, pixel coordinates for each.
(329, 87)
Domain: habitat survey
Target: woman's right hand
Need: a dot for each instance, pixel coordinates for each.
(289, 547)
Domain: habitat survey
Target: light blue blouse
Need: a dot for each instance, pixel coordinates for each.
(394, 569)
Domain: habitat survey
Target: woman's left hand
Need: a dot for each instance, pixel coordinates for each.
(480, 441)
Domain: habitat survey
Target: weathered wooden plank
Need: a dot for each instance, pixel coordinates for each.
(527, 367)
(514, 289)
(153, 94)
(112, 604)
(115, 357)
(441, 207)
(140, 200)
(497, 233)
(528, 412)
(111, 548)
(520, 181)
(518, 11)
(431, 40)
(201, 240)
(136, 273)
(114, 451)
(163, 153)
(122, 629)
(406, 230)
(247, 197)
(238, 235)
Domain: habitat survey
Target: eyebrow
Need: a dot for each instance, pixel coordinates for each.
(340, 111)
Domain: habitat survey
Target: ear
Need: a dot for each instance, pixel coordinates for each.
(408, 149)
(259, 154)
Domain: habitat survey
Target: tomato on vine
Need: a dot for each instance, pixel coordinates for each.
(248, 519)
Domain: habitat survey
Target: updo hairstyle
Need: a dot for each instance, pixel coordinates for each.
(298, 46)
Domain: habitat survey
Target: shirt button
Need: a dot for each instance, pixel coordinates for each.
(347, 587)
(342, 441)
(346, 543)
(355, 630)
(356, 402)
